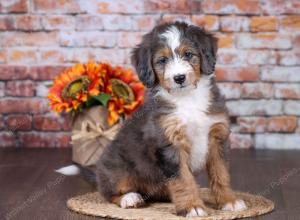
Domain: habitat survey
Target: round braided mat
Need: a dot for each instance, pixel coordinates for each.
(93, 204)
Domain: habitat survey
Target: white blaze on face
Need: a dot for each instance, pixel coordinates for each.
(177, 66)
(172, 35)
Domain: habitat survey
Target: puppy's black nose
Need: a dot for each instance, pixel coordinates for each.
(179, 79)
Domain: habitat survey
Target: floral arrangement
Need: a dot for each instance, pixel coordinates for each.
(87, 85)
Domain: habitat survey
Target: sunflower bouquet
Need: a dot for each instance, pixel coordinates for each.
(99, 97)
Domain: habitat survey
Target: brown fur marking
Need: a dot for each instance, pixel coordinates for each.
(183, 189)
(219, 179)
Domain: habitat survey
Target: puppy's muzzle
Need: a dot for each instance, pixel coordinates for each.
(179, 79)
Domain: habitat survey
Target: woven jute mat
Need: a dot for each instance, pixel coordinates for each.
(93, 204)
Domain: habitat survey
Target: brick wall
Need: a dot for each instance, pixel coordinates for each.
(258, 60)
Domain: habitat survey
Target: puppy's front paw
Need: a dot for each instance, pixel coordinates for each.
(131, 200)
(237, 205)
(196, 212)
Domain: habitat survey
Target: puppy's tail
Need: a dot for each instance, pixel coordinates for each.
(74, 170)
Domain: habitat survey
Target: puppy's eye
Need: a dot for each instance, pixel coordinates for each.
(188, 55)
(162, 60)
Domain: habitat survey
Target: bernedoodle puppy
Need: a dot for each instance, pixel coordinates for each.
(182, 127)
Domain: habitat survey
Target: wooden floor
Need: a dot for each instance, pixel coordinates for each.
(29, 189)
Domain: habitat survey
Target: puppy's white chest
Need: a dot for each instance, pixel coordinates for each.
(191, 109)
(197, 126)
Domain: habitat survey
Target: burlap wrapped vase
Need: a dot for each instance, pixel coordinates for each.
(90, 135)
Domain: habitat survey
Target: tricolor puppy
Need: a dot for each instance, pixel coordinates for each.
(182, 127)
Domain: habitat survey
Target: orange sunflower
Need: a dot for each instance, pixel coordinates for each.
(73, 87)
(118, 89)
(127, 93)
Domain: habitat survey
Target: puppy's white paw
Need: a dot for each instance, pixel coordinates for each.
(196, 212)
(131, 200)
(237, 205)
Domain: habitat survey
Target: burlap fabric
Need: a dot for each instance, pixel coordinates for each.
(90, 135)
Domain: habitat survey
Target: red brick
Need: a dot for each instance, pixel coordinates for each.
(32, 105)
(42, 88)
(282, 124)
(19, 123)
(276, 7)
(287, 91)
(65, 6)
(116, 22)
(44, 139)
(111, 22)
(51, 56)
(58, 22)
(280, 74)
(10, 72)
(144, 22)
(2, 125)
(237, 74)
(242, 141)
(261, 57)
(260, 107)
(225, 40)
(252, 124)
(114, 56)
(264, 41)
(209, 22)
(231, 57)
(169, 18)
(44, 72)
(129, 39)
(29, 39)
(3, 56)
(66, 123)
(7, 139)
(266, 23)
(50, 123)
(83, 55)
(277, 141)
(257, 90)
(2, 88)
(23, 56)
(7, 23)
(88, 39)
(170, 6)
(28, 22)
(289, 58)
(18, 6)
(290, 23)
(230, 90)
(113, 7)
(296, 42)
(20, 88)
(89, 22)
(291, 107)
(234, 23)
(231, 6)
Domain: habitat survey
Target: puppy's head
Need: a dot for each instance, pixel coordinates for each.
(175, 56)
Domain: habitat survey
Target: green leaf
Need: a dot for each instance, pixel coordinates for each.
(91, 102)
(102, 98)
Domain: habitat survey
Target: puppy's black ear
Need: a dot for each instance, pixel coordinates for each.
(207, 46)
(141, 60)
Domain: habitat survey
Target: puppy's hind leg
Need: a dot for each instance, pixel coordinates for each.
(219, 179)
(127, 195)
